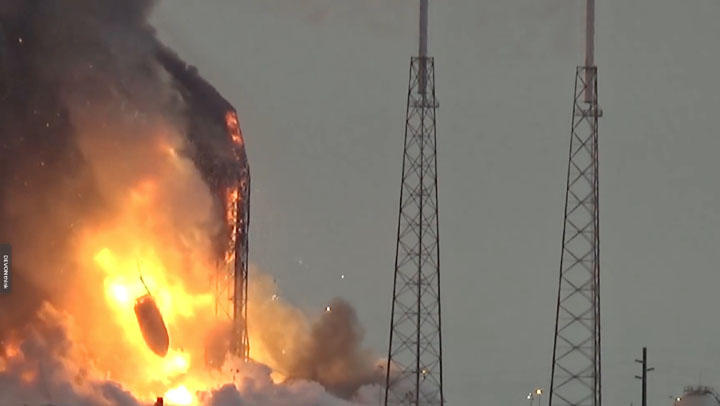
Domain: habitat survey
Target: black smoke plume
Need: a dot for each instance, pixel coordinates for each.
(59, 58)
(334, 356)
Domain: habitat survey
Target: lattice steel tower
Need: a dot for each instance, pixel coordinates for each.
(414, 369)
(240, 343)
(576, 377)
(221, 157)
(232, 278)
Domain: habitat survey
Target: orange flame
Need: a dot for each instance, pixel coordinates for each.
(233, 127)
(231, 201)
(158, 221)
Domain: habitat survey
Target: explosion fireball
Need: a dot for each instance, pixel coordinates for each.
(119, 157)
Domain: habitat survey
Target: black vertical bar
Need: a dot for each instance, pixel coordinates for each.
(598, 337)
(644, 377)
(247, 262)
(437, 231)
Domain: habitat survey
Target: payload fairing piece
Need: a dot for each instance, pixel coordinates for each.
(151, 323)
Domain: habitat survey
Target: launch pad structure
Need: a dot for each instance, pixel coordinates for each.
(218, 150)
(232, 281)
(414, 366)
(240, 343)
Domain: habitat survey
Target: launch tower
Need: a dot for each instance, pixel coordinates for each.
(217, 149)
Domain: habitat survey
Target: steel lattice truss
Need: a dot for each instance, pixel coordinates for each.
(576, 356)
(414, 373)
(240, 342)
(232, 278)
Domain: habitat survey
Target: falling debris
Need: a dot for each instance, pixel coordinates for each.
(151, 324)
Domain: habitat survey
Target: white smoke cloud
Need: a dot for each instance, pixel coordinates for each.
(40, 368)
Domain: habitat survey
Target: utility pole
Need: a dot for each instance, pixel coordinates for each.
(645, 370)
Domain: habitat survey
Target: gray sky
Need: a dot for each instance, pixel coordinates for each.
(320, 88)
